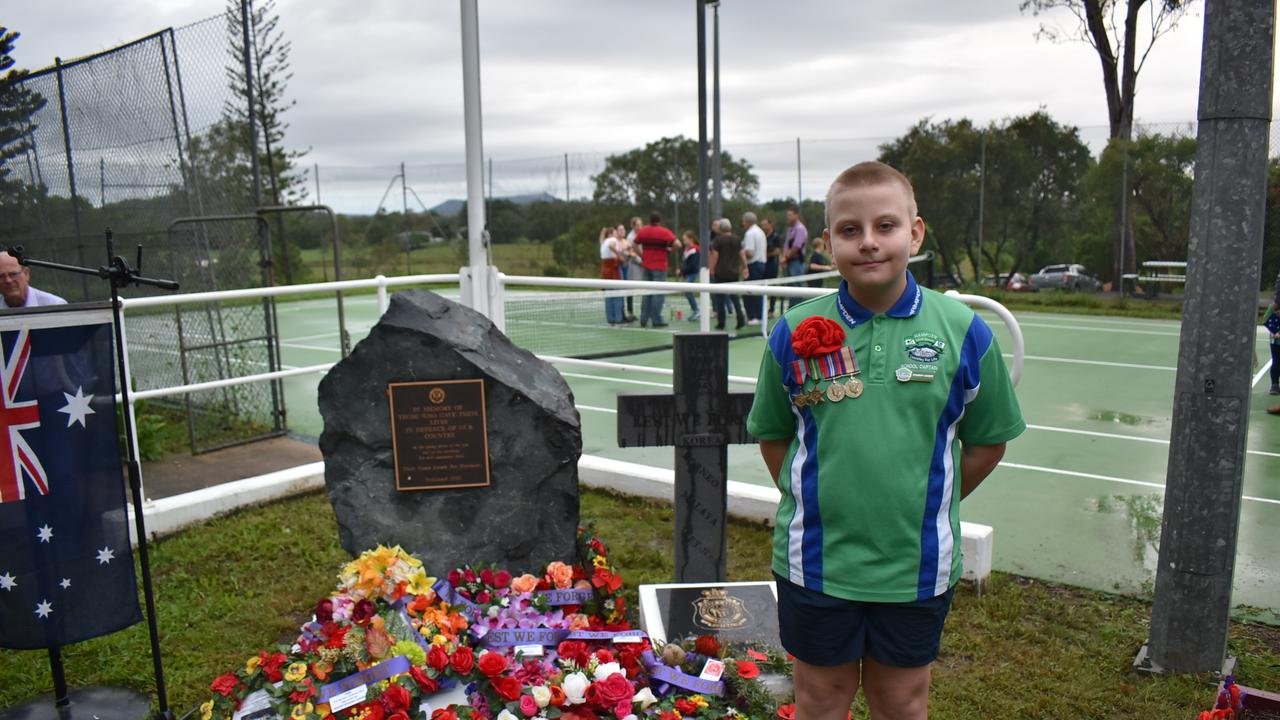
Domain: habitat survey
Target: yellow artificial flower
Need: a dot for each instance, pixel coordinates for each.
(439, 640)
(600, 561)
(295, 672)
(206, 710)
(302, 711)
(251, 665)
(700, 701)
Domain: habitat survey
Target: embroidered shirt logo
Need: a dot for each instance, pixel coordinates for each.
(925, 347)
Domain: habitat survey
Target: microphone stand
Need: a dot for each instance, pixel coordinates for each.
(121, 275)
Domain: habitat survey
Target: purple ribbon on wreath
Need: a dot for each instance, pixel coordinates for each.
(663, 677)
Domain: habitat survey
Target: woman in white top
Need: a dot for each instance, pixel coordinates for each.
(611, 261)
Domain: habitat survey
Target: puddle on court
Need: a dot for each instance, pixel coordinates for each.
(1114, 416)
(1144, 514)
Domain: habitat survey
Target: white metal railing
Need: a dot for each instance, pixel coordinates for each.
(382, 283)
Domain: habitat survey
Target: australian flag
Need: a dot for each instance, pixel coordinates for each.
(66, 569)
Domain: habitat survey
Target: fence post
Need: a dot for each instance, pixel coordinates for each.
(382, 294)
(71, 178)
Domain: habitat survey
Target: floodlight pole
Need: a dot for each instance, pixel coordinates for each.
(477, 272)
(1212, 390)
(717, 199)
(704, 234)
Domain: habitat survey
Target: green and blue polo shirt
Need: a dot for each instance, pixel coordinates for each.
(870, 484)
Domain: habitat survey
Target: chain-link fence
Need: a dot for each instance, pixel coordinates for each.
(136, 139)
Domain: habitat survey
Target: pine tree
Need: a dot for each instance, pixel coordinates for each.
(18, 106)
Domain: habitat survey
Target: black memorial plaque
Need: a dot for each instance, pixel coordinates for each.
(746, 613)
(439, 434)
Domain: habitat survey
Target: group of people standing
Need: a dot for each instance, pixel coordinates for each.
(759, 253)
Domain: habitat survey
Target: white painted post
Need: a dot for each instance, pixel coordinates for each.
(382, 294)
(477, 254)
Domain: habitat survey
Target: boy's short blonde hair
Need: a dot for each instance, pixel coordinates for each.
(870, 173)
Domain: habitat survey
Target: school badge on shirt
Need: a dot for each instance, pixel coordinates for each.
(923, 350)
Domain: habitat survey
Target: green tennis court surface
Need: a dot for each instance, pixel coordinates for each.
(1078, 498)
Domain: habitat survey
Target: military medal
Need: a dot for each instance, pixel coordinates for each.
(835, 392)
(801, 400)
(853, 388)
(815, 397)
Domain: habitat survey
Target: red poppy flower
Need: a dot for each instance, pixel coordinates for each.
(757, 655)
(787, 712)
(817, 336)
(748, 669)
(707, 645)
(224, 684)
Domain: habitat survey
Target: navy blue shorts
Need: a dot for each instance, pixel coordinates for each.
(824, 630)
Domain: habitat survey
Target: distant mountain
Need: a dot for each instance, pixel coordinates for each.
(453, 207)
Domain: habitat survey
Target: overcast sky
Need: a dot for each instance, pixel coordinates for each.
(380, 82)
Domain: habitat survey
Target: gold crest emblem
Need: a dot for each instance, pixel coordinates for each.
(716, 610)
(436, 395)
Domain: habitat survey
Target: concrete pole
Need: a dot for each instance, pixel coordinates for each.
(704, 222)
(717, 172)
(476, 234)
(1211, 401)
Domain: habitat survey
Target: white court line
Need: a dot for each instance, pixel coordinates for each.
(606, 378)
(1099, 329)
(301, 346)
(1136, 438)
(593, 408)
(1103, 363)
(1108, 478)
(1135, 322)
(1265, 367)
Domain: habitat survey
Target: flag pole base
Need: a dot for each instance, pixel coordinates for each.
(87, 703)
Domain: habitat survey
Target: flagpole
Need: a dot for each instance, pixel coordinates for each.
(121, 275)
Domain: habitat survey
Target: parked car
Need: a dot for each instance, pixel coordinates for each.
(1018, 283)
(1064, 277)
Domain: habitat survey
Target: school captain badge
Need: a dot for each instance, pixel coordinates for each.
(925, 347)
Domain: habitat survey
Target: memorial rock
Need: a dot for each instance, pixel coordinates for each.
(527, 514)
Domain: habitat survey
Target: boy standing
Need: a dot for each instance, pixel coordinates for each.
(878, 408)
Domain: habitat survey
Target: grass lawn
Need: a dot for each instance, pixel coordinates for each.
(1023, 649)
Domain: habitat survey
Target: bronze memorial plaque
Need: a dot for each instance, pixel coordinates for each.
(439, 435)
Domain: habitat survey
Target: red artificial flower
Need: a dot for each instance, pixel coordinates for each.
(606, 580)
(492, 663)
(398, 715)
(574, 650)
(443, 714)
(597, 545)
(603, 656)
(686, 707)
(501, 579)
(337, 635)
(369, 711)
(508, 688)
(557, 695)
(437, 658)
(455, 578)
(623, 709)
(486, 576)
(611, 691)
(757, 655)
(483, 597)
(579, 713)
(324, 611)
(462, 661)
(787, 712)
(425, 684)
(395, 698)
(707, 645)
(469, 574)
(224, 684)
(528, 706)
(363, 612)
(271, 665)
(302, 694)
(817, 336)
(748, 669)
(668, 715)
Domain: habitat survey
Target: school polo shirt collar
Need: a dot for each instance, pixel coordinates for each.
(853, 314)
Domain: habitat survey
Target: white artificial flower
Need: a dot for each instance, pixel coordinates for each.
(645, 697)
(541, 695)
(575, 688)
(604, 670)
(493, 611)
(507, 715)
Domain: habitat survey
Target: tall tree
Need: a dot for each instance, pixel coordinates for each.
(18, 106)
(269, 61)
(1111, 28)
(664, 173)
